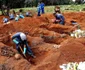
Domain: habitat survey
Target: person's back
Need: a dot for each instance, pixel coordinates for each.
(60, 17)
(17, 35)
(21, 15)
(27, 14)
(42, 5)
(5, 20)
(11, 16)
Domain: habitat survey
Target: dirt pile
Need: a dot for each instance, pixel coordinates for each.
(43, 37)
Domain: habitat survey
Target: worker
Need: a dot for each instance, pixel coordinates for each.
(21, 15)
(5, 20)
(39, 9)
(42, 7)
(59, 18)
(28, 14)
(17, 17)
(20, 40)
(11, 16)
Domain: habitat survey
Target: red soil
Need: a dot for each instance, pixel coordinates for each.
(42, 36)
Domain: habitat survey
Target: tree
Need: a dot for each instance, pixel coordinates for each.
(79, 1)
(26, 3)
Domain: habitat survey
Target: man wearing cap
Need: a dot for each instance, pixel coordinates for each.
(20, 40)
(59, 18)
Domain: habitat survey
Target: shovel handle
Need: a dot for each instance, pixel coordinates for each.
(22, 51)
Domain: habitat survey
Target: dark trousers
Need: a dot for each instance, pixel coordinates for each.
(39, 13)
(42, 9)
(62, 22)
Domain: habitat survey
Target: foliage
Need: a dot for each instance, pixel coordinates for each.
(31, 3)
(64, 8)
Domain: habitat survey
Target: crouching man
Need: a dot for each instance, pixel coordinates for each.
(22, 46)
(59, 18)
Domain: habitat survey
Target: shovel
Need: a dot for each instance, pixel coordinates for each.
(22, 52)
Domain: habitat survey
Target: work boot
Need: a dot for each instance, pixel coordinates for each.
(33, 56)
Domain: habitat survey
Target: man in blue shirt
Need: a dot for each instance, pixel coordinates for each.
(42, 7)
(17, 17)
(11, 16)
(21, 15)
(21, 42)
(59, 18)
(5, 20)
(27, 14)
(39, 9)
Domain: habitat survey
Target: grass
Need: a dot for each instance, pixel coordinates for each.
(72, 8)
(50, 9)
(64, 8)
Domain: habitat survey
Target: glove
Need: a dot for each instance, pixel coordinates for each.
(24, 51)
(15, 41)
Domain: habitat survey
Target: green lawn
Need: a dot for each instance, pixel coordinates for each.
(50, 9)
(64, 8)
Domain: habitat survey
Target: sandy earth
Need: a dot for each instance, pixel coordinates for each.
(43, 37)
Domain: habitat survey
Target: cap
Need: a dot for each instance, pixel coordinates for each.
(23, 36)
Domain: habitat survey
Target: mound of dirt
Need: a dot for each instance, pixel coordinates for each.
(43, 38)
